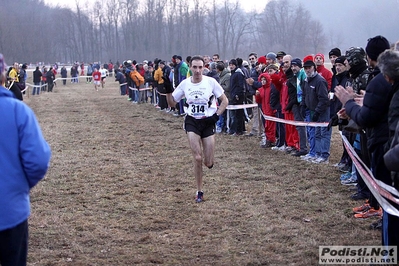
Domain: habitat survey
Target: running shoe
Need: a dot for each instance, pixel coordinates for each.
(199, 197)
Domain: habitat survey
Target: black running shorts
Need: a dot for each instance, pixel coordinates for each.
(202, 127)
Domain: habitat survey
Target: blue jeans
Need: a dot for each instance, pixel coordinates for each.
(323, 136)
(135, 96)
(310, 133)
(36, 88)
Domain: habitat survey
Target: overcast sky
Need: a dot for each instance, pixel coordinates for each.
(346, 23)
(247, 5)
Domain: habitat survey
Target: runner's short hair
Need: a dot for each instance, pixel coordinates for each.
(196, 57)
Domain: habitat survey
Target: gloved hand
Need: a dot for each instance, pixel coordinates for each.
(315, 117)
(213, 119)
(333, 122)
(167, 85)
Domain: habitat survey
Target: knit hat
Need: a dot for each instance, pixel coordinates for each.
(281, 54)
(376, 46)
(179, 57)
(308, 57)
(233, 62)
(321, 55)
(335, 51)
(308, 61)
(271, 56)
(340, 60)
(262, 60)
(296, 62)
(3, 65)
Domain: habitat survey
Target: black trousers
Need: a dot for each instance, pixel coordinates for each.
(14, 245)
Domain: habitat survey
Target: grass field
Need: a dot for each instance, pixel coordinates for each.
(120, 191)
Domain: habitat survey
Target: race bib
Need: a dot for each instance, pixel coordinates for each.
(197, 110)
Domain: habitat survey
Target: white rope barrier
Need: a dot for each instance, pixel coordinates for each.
(379, 189)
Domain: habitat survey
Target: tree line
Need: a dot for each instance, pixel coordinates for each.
(130, 29)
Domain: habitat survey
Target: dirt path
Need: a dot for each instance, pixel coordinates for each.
(120, 191)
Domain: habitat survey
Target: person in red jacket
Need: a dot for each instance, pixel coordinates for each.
(324, 72)
(262, 97)
(97, 78)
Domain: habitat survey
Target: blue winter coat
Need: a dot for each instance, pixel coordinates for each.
(24, 159)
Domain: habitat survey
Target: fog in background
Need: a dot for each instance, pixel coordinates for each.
(351, 22)
(101, 30)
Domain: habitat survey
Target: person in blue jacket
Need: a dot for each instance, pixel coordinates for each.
(24, 160)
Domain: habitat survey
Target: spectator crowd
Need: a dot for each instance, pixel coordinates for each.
(292, 103)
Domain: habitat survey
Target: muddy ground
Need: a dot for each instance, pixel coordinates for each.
(120, 191)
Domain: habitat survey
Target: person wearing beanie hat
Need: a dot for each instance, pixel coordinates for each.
(372, 116)
(233, 62)
(308, 58)
(262, 60)
(296, 62)
(271, 58)
(202, 94)
(324, 72)
(237, 80)
(319, 56)
(25, 157)
(340, 60)
(375, 46)
(336, 52)
(332, 55)
(315, 99)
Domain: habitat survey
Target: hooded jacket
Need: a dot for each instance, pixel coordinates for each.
(24, 158)
(264, 95)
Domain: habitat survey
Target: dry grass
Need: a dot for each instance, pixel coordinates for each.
(120, 191)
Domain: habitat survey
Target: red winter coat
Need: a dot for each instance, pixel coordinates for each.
(278, 79)
(263, 97)
(326, 74)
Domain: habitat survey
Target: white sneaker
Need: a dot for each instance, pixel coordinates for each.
(352, 181)
(308, 157)
(281, 148)
(320, 160)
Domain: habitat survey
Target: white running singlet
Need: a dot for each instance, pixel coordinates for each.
(200, 97)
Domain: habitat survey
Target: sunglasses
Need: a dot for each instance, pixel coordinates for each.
(252, 58)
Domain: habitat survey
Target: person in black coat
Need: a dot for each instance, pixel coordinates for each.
(50, 79)
(370, 112)
(37, 77)
(64, 74)
(388, 62)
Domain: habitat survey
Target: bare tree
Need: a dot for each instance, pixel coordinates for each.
(317, 39)
(130, 29)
